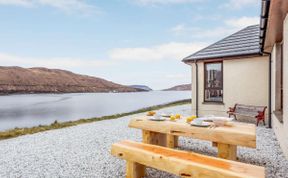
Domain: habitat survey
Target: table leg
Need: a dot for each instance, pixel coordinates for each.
(155, 138)
(171, 141)
(146, 136)
(227, 151)
(134, 170)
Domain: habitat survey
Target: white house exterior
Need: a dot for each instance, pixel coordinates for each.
(274, 41)
(248, 67)
(240, 74)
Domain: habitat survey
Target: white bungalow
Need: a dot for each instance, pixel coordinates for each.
(248, 67)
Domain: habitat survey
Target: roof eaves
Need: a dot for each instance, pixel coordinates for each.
(221, 57)
(263, 22)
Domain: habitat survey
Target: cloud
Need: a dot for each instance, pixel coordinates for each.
(68, 6)
(164, 2)
(230, 26)
(166, 51)
(242, 22)
(54, 62)
(239, 4)
(26, 3)
(180, 29)
(200, 33)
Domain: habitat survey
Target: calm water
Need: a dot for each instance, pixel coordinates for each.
(32, 110)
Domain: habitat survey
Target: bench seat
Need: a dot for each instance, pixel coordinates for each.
(181, 163)
(257, 112)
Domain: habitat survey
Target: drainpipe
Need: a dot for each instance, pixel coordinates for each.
(270, 91)
(197, 89)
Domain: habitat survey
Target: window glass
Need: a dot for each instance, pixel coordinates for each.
(213, 82)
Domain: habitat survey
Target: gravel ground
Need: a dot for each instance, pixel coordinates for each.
(84, 151)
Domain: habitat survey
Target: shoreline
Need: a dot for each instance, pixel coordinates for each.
(16, 132)
(61, 93)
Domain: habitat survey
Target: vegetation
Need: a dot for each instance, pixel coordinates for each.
(57, 125)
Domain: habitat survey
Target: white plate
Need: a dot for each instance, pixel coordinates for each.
(157, 119)
(203, 124)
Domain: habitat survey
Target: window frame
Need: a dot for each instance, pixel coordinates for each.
(279, 58)
(205, 82)
(281, 76)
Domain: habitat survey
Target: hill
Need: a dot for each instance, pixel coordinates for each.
(43, 80)
(184, 87)
(141, 87)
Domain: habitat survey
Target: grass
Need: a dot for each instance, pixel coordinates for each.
(58, 125)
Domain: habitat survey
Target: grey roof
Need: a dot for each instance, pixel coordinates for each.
(243, 42)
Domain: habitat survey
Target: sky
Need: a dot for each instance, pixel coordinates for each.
(124, 41)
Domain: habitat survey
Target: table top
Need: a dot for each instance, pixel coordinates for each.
(240, 134)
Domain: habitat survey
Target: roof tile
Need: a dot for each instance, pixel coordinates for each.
(243, 42)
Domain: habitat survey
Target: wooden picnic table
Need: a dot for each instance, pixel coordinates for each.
(225, 138)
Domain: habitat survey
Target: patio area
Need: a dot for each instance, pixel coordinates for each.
(84, 151)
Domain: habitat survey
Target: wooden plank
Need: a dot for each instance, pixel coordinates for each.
(176, 138)
(134, 170)
(146, 136)
(162, 139)
(154, 138)
(171, 141)
(167, 140)
(184, 164)
(241, 134)
(226, 151)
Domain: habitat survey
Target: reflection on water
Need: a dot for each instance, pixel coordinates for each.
(32, 110)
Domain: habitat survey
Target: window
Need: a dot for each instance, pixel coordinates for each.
(279, 78)
(278, 110)
(213, 82)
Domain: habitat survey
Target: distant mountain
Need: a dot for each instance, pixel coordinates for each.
(141, 87)
(184, 87)
(43, 80)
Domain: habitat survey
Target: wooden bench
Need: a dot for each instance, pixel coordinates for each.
(181, 163)
(257, 112)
